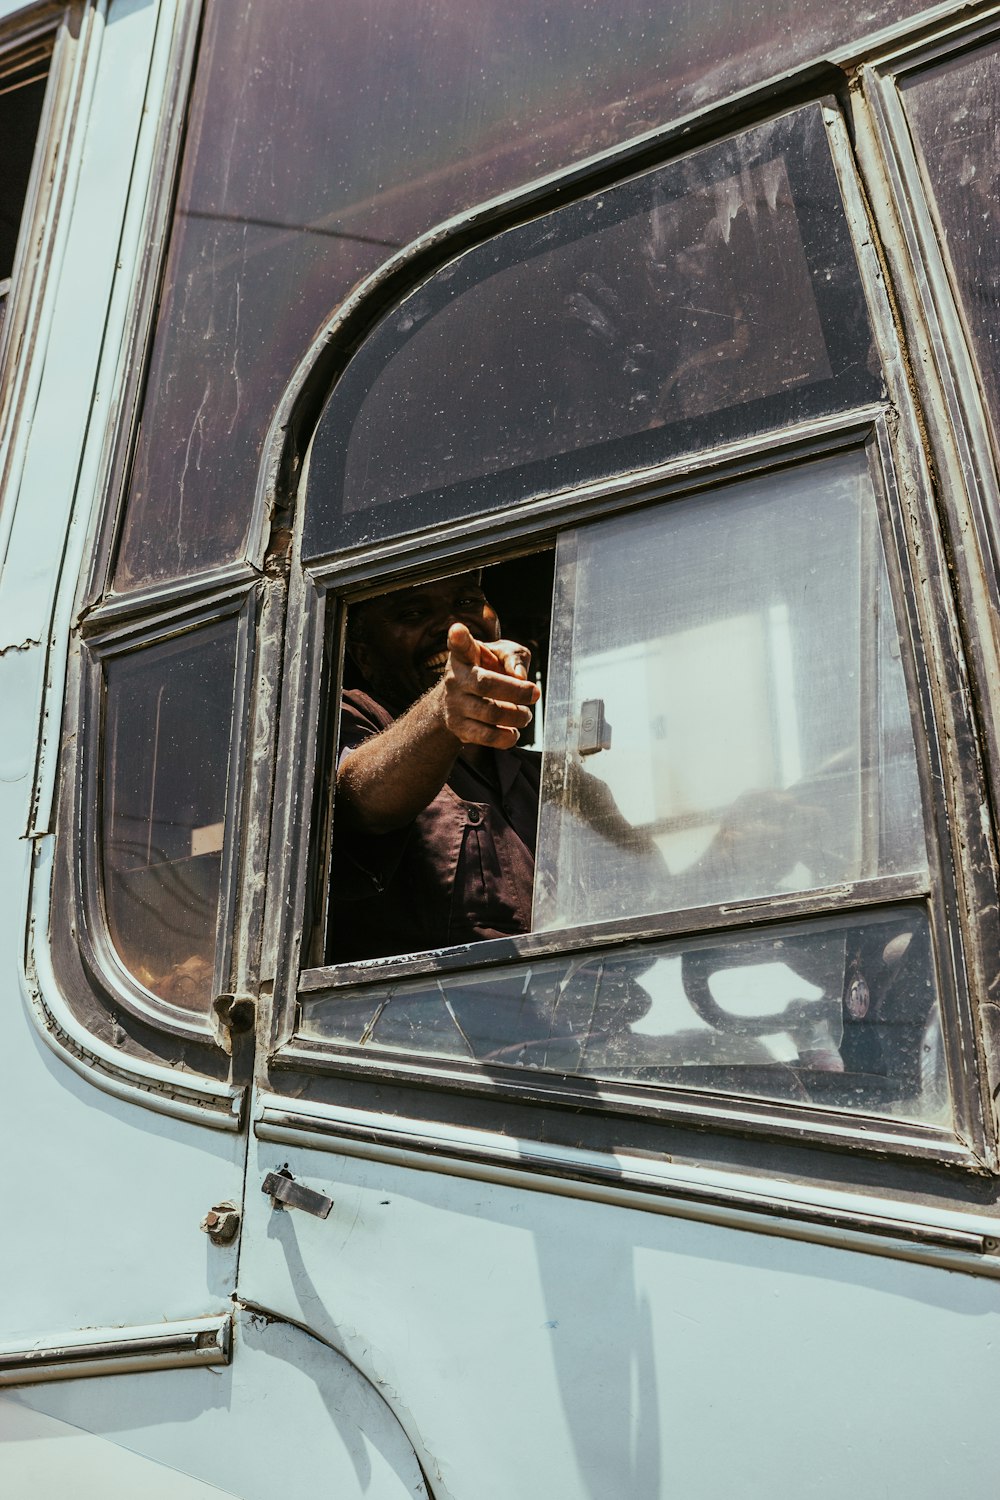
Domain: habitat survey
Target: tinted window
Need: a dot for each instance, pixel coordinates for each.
(317, 146)
(166, 773)
(710, 299)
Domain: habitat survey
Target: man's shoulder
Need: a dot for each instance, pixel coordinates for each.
(361, 717)
(358, 706)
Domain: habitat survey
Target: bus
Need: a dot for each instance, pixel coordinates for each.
(673, 327)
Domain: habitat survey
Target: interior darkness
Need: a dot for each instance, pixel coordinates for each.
(520, 591)
(20, 113)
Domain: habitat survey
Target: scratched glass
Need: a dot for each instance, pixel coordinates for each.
(710, 299)
(317, 146)
(955, 123)
(727, 712)
(837, 1014)
(166, 768)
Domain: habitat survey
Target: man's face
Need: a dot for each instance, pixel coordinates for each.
(404, 649)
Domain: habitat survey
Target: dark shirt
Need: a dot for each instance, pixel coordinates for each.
(460, 872)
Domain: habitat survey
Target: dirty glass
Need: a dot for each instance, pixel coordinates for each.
(727, 712)
(840, 1013)
(954, 116)
(318, 145)
(709, 299)
(168, 725)
(23, 77)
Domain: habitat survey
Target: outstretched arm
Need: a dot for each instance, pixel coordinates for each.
(483, 698)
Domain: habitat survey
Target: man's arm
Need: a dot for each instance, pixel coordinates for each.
(483, 699)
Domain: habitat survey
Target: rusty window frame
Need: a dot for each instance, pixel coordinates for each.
(928, 608)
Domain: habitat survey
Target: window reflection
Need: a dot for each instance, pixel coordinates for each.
(840, 1014)
(167, 752)
(759, 730)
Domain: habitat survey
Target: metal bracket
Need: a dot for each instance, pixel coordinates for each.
(595, 731)
(285, 1192)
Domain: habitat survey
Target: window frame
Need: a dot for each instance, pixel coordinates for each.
(931, 616)
(45, 26)
(323, 591)
(944, 369)
(280, 803)
(96, 945)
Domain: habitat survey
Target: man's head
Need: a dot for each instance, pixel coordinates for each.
(400, 640)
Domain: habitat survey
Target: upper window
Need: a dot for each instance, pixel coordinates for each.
(712, 299)
(23, 77)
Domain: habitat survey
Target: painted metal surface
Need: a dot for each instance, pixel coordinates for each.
(541, 1347)
(44, 1455)
(108, 1211)
(519, 1339)
(290, 1417)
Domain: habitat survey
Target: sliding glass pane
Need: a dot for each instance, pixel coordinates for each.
(840, 1013)
(727, 712)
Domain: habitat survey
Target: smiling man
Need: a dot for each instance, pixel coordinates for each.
(436, 807)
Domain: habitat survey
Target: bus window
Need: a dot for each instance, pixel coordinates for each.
(23, 76)
(166, 774)
(837, 1013)
(710, 299)
(430, 847)
(726, 720)
(760, 738)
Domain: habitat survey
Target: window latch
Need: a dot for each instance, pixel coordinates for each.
(285, 1192)
(595, 731)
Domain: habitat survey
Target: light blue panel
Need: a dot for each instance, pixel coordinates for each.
(543, 1346)
(10, 8)
(289, 1418)
(45, 1456)
(105, 1228)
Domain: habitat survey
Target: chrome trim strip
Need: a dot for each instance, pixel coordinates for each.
(118, 1351)
(762, 1205)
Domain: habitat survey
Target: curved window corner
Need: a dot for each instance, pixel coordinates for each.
(150, 875)
(704, 301)
(165, 764)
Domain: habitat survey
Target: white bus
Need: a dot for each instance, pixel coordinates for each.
(679, 321)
